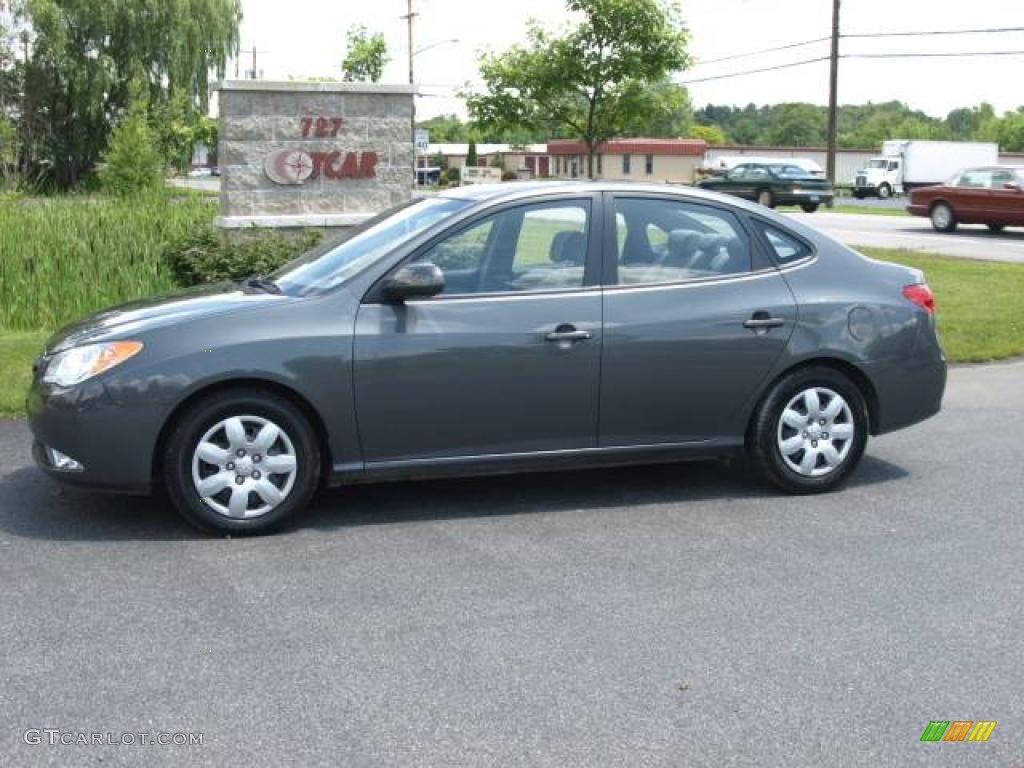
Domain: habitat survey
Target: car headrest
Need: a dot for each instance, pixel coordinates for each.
(682, 242)
(568, 248)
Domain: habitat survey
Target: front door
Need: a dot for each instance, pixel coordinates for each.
(694, 322)
(505, 360)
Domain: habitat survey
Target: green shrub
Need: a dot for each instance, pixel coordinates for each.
(133, 161)
(207, 256)
(509, 176)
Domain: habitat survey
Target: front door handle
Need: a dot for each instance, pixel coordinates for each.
(762, 321)
(567, 333)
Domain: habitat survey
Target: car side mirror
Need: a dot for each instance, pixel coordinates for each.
(1012, 186)
(414, 281)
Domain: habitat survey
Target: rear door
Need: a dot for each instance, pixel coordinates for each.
(505, 360)
(1006, 204)
(695, 317)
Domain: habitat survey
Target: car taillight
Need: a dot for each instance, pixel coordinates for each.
(921, 295)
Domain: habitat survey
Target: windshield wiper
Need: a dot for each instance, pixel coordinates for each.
(261, 284)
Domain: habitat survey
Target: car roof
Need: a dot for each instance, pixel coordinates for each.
(515, 190)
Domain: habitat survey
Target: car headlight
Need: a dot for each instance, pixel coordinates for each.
(75, 365)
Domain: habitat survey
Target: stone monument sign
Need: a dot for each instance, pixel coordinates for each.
(312, 154)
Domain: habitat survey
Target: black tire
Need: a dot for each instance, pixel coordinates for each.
(884, 192)
(202, 416)
(809, 207)
(763, 448)
(766, 198)
(943, 218)
(996, 227)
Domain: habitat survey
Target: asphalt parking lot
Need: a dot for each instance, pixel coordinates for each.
(916, 234)
(656, 616)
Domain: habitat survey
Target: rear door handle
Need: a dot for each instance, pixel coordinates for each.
(763, 323)
(568, 333)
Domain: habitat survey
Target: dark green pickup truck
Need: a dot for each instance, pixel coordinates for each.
(772, 184)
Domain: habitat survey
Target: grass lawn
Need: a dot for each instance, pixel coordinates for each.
(848, 208)
(980, 303)
(17, 351)
(980, 315)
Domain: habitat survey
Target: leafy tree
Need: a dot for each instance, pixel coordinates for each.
(797, 125)
(83, 55)
(1009, 131)
(659, 109)
(366, 57)
(585, 80)
(134, 162)
(712, 134)
(471, 159)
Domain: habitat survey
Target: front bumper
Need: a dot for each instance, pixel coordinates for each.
(112, 440)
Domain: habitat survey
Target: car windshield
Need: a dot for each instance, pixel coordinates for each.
(878, 162)
(789, 171)
(332, 263)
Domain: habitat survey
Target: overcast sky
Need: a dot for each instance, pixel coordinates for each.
(307, 37)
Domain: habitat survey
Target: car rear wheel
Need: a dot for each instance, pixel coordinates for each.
(809, 432)
(997, 227)
(241, 461)
(766, 198)
(943, 218)
(809, 207)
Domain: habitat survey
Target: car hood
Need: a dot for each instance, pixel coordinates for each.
(127, 320)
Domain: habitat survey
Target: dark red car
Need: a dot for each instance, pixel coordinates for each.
(993, 196)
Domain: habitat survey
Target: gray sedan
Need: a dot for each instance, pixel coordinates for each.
(494, 329)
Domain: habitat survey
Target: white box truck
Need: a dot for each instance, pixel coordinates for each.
(905, 164)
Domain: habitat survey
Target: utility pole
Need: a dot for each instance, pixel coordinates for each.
(833, 88)
(409, 16)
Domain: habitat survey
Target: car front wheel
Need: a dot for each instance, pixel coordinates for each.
(809, 432)
(943, 218)
(765, 198)
(241, 461)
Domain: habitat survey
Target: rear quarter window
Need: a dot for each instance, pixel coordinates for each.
(783, 247)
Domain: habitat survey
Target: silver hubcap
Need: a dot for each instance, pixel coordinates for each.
(941, 216)
(244, 466)
(815, 432)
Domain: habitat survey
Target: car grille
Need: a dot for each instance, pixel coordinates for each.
(862, 181)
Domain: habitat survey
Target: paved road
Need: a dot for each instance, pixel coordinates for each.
(665, 616)
(914, 233)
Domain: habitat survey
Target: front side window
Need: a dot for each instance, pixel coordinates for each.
(541, 247)
(667, 241)
(332, 263)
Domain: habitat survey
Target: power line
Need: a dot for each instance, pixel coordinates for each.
(861, 35)
(754, 71)
(953, 54)
(987, 30)
(764, 50)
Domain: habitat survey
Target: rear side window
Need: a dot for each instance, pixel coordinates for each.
(785, 248)
(667, 241)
